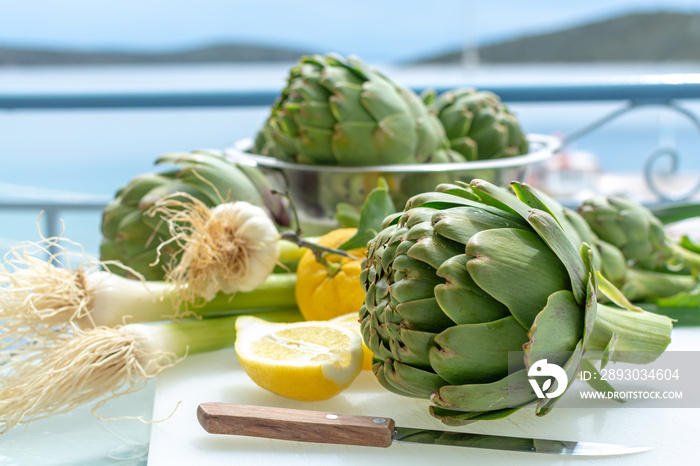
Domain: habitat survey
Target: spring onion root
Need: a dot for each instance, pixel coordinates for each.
(42, 301)
(108, 362)
(232, 247)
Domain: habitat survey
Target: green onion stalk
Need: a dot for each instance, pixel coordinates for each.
(228, 254)
(108, 362)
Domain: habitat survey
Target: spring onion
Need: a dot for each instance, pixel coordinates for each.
(40, 300)
(108, 362)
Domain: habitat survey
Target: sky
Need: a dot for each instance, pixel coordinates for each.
(377, 30)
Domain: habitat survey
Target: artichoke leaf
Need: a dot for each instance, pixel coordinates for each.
(467, 147)
(537, 200)
(556, 330)
(499, 257)
(348, 216)
(112, 217)
(477, 353)
(434, 250)
(571, 367)
(387, 256)
(142, 260)
(378, 370)
(173, 189)
(424, 314)
(352, 143)
(411, 379)
(461, 223)
(551, 232)
(222, 183)
(418, 222)
(459, 418)
(315, 114)
(461, 299)
(440, 201)
(456, 121)
(414, 284)
(414, 347)
(432, 142)
(608, 351)
(375, 208)
(614, 294)
(460, 190)
(382, 100)
(345, 104)
(375, 343)
(491, 140)
(396, 139)
(509, 392)
(137, 188)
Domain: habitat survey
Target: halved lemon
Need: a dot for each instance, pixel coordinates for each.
(306, 361)
(352, 322)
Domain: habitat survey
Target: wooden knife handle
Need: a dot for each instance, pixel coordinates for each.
(295, 424)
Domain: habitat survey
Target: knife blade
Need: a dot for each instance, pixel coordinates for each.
(349, 429)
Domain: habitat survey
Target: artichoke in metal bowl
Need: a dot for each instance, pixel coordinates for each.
(466, 277)
(337, 111)
(318, 189)
(478, 125)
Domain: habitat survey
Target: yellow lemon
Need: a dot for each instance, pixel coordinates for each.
(306, 361)
(330, 290)
(352, 321)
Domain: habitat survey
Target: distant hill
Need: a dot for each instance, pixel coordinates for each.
(650, 37)
(223, 53)
(647, 37)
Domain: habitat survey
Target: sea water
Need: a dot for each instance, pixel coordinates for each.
(90, 154)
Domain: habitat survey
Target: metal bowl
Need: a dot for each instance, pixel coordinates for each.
(317, 189)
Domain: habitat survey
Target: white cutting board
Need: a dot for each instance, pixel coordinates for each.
(219, 377)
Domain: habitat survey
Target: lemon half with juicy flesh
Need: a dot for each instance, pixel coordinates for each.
(352, 321)
(306, 361)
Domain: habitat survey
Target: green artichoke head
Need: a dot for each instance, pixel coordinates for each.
(131, 234)
(630, 227)
(469, 287)
(337, 111)
(478, 125)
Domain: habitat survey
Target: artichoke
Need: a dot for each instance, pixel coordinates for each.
(466, 275)
(635, 230)
(131, 235)
(478, 125)
(337, 111)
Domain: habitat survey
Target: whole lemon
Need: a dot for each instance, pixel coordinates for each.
(327, 290)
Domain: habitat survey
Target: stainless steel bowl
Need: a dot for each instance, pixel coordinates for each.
(317, 189)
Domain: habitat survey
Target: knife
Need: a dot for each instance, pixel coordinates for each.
(346, 429)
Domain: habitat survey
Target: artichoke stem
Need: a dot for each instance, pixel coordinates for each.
(641, 336)
(641, 285)
(688, 259)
